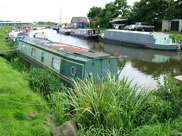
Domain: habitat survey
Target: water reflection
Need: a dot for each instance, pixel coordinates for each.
(143, 65)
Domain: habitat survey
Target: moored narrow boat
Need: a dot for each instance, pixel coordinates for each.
(152, 40)
(65, 31)
(67, 61)
(86, 33)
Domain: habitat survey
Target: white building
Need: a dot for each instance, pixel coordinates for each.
(172, 25)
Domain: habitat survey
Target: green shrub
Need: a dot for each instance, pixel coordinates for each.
(171, 92)
(92, 131)
(115, 105)
(169, 128)
(61, 110)
(176, 37)
(44, 81)
(19, 64)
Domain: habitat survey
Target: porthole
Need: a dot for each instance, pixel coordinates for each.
(148, 38)
(73, 70)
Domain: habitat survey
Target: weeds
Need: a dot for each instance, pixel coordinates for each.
(176, 37)
(44, 81)
(61, 110)
(172, 93)
(116, 106)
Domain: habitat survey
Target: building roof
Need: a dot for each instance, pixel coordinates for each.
(79, 19)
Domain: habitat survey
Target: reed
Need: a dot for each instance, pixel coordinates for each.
(44, 81)
(115, 105)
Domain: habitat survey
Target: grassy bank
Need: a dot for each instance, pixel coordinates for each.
(18, 114)
(4, 30)
(105, 108)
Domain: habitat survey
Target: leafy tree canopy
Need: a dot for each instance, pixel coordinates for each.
(151, 11)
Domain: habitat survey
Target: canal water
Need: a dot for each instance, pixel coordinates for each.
(143, 66)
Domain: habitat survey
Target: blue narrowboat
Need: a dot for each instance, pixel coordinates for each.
(151, 40)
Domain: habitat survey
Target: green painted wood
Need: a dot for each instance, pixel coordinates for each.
(175, 26)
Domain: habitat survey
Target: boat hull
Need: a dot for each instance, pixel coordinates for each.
(65, 33)
(95, 37)
(86, 33)
(142, 45)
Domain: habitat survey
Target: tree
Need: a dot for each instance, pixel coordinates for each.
(178, 7)
(101, 17)
(94, 12)
(95, 16)
(151, 11)
(122, 8)
(154, 11)
(109, 12)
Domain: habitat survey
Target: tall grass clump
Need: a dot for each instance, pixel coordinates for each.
(115, 105)
(4, 45)
(49, 85)
(172, 93)
(44, 81)
(60, 108)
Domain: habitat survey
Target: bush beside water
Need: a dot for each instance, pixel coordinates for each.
(114, 107)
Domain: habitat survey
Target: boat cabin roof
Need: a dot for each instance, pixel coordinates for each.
(63, 49)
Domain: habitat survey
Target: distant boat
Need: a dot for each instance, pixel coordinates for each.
(65, 31)
(55, 27)
(67, 61)
(40, 35)
(86, 33)
(152, 40)
(13, 34)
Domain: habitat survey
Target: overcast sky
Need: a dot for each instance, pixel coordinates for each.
(47, 10)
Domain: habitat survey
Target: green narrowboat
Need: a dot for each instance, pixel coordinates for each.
(67, 61)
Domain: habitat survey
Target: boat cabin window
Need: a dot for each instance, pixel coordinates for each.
(148, 38)
(42, 57)
(73, 70)
(23, 47)
(55, 63)
(33, 52)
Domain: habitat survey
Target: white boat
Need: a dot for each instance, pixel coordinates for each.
(13, 34)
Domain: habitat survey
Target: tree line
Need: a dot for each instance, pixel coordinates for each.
(150, 11)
